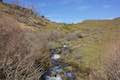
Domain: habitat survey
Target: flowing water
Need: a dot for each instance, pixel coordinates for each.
(58, 71)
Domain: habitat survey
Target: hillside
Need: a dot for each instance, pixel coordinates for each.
(25, 16)
(27, 39)
(90, 49)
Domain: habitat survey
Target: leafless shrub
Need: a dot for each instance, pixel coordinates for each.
(97, 75)
(111, 63)
(54, 35)
(73, 36)
(20, 59)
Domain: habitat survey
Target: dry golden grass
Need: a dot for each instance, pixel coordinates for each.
(20, 57)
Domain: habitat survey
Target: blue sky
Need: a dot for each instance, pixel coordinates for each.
(73, 11)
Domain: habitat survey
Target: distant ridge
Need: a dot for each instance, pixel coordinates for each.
(118, 18)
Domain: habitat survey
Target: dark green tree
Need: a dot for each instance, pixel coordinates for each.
(1, 0)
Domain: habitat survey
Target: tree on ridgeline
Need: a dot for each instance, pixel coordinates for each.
(1, 1)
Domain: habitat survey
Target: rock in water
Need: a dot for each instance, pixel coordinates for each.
(55, 56)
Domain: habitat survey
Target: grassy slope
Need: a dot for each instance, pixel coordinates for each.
(26, 17)
(97, 34)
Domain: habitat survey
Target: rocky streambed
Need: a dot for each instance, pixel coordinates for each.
(59, 70)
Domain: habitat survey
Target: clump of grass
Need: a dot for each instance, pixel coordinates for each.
(20, 57)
